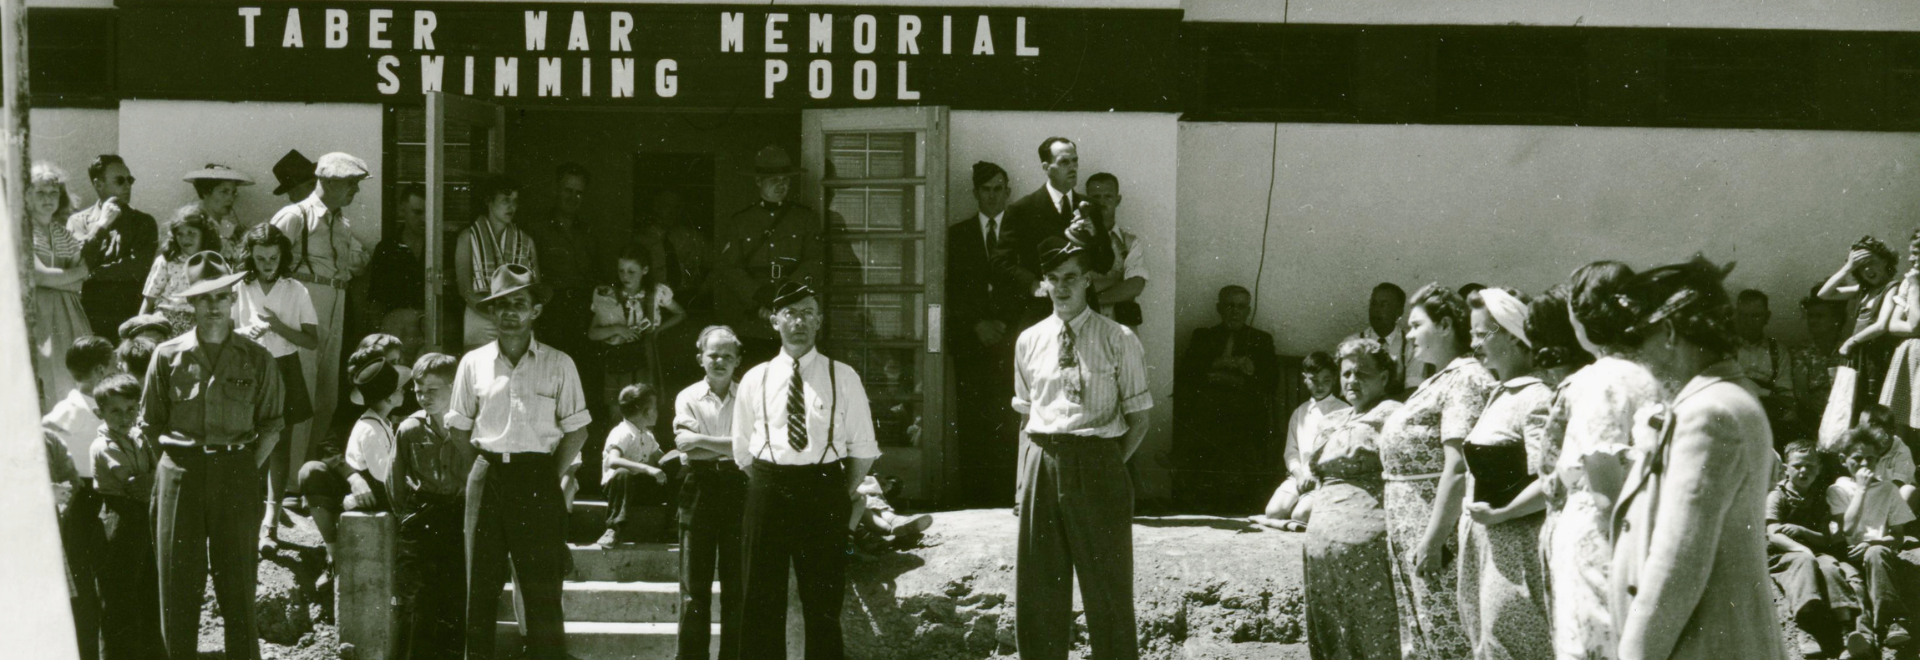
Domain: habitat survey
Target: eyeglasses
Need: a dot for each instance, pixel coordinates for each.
(801, 314)
(1485, 336)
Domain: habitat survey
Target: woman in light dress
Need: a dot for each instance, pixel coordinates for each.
(58, 272)
(1349, 596)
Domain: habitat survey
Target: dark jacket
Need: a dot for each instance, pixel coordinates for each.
(1191, 374)
(981, 287)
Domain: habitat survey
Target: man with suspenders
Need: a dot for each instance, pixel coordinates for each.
(325, 257)
(803, 432)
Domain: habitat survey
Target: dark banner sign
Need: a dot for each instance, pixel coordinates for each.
(652, 55)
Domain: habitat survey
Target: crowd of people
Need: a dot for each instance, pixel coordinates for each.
(1621, 466)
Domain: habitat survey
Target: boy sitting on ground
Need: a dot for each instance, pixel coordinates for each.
(1803, 553)
(1872, 517)
(630, 473)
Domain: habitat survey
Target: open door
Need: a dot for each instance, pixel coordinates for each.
(464, 137)
(882, 190)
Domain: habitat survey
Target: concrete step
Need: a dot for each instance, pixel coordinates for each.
(615, 602)
(610, 641)
(638, 562)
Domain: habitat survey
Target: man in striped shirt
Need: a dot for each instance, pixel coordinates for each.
(1080, 381)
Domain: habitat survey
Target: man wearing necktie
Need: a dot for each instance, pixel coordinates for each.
(985, 305)
(770, 243)
(1042, 214)
(803, 432)
(1080, 381)
(326, 255)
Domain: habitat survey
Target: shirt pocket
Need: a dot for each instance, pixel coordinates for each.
(231, 404)
(541, 410)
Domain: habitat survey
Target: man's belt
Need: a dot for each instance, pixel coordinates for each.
(713, 465)
(497, 457)
(1067, 437)
(335, 282)
(208, 449)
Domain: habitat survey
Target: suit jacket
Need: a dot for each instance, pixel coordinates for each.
(981, 287)
(1030, 220)
(1207, 345)
(1690, 544)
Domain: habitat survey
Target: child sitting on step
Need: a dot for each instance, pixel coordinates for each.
(630, 471)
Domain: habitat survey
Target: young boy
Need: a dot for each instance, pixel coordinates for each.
(428, 487)
(1871, 514)
(630, 472)
(369, 454)
(128, 579)
(74, 422)
(712, 498)
(1290, 506)
(323, 481)
(1803, 552)
(134, 356)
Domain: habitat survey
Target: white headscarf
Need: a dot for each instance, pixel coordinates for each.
(1507, 311)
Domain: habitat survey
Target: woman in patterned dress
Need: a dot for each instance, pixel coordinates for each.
(190, 233)
(58, 271)
(1868, 277)
(1587, 430)
(628, 316)
(1350, 610)
(491, 241)
(1503, 589)
(1420, 457)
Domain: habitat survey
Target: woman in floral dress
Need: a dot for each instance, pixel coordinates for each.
(1587, 430)
(1350, 609)
(190, 233)
(1420, 456)
(58, 271)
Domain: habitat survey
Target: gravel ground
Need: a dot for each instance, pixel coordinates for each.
(295, 617)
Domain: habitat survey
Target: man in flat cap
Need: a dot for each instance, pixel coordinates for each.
(118, 244)
(326, 255)
(519, 402)
(762, 247)
(803, 432)
(1080, 381)
(212, 402)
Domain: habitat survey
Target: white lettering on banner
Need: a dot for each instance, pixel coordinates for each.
(336, 28)
(819, 33)
(776, 72)
(506, 76)
(423, 24)
(819, 79)
(1020, 46)
(622, 78)
(536, 30)
(666, 81)
(774, 35)
(946, 35)
(865, 75)
(983, 38)
(577, 37)
(622, 26)
(432, 71)
(866, 34)
(733, 32)
(377, 27)
(292, 37)
(389, 83)
(586, 77)
(249, 13)
(549, 76)
(902, 93)
(468, 89)
(909, 34)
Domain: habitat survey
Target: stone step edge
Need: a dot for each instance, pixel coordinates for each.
(622, 629)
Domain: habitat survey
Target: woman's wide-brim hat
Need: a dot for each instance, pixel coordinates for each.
(215, 172)
(512, 278)
(208, 273)
(774, 161)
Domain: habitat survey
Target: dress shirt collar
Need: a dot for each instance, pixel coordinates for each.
(1457, 363)
(534, 351)
(1078, 322)
(704, 390)
(316, 207)
(1055, 195)
(995, 222)
(82, 399)
(433, 423)
(784, 361)
(1327, 404)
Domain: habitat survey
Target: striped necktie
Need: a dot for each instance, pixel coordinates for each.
(796, 411)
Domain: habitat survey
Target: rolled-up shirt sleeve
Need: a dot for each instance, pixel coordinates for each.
(861, 442)
(465, 404)
(571, 404)
(684, 419)
(746, 411)
(1130, 373)
(1022, 392)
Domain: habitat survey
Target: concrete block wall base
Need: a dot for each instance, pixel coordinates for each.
(365, 586)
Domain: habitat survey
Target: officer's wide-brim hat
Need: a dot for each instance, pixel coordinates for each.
(208, 273)
(511, 278)
(292, 170)
(213, 172)
(774, 161)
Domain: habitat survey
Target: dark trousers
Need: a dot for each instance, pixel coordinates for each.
(515, 514)
(712, 501)
(81, 539)
(207, 512)
(1878, 583)
(129, 582)
(796, 515)
(989, 429)
(1812, 583)
(110, 302)
(636, 507)
(1076, 518)
(433, 584)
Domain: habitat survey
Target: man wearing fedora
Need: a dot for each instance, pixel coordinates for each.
(118, 244)
(294, 173)
(212, 402)
(762, 247)
(519, 402)
(326, 255)
(803, 432)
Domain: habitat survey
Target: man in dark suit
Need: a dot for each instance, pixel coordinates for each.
(1038, 216)
(986, 302)
(1226, 382)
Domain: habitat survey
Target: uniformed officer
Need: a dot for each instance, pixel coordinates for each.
(762, 247)
(803, 431)
(212, 401)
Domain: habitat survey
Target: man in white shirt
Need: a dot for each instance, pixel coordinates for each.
(1117, 288)
(325, 257)
(712, 498)
(520, 403)
(803, 431)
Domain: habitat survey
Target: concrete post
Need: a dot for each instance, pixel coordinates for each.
(365, 586)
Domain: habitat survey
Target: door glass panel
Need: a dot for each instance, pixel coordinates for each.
(869, 317)
(876, 262)
(872, 156)
(874, 208)
(893, 391)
